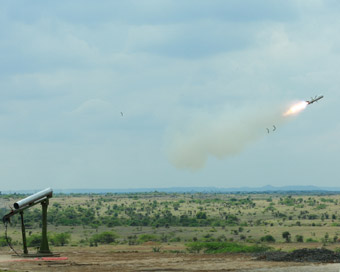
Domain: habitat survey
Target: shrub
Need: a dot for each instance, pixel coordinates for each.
(299, 238)
(175, 239)
(34, 240)
(194, 247)
(60, 239)
(106, 237)
(3, 241)
(243, 237)
(201, 215)
(231, 220)
(268, 239)
(311, 240)
(156, 249)
(147, 237)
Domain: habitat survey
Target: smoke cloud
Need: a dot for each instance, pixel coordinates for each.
(220, 135)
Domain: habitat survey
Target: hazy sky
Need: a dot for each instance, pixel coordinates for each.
(69, 68)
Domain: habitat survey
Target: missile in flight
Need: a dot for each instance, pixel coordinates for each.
(315, 99)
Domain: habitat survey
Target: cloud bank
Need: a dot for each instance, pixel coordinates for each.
(68, 69)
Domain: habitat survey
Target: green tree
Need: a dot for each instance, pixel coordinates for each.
(286, 236)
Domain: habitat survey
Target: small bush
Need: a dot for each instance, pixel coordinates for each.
(175, 240)
(201, 215)
(156, 249)
(311, 240)
(3, 241)
(147, 238)
(60, 239)
(268, 239)
(106, 237)
(299, 238)
(34, 240)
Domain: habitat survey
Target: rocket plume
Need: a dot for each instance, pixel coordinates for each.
(296, 108)
(224, 134)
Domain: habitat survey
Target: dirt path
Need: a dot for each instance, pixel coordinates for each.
(105, 259)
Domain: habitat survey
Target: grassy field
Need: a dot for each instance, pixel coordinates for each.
(179, 219)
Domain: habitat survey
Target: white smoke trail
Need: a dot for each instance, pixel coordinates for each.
(221, 135)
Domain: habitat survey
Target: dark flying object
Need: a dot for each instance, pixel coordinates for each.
(274, 128)
(122, 114)
(268, 130)
(315, 99)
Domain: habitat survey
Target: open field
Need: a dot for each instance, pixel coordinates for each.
(183, 217)
(153, 232)
(142, 258)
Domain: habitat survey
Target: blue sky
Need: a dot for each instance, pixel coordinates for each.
(68, 68)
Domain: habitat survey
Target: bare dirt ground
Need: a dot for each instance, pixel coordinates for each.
(143, 259)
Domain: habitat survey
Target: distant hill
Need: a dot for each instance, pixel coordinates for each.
(267, 188)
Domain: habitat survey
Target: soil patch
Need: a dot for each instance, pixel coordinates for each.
(302, 255)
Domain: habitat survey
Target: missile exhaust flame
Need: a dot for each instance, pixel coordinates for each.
(296, 108)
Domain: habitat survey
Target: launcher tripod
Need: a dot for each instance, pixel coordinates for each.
(41, 197)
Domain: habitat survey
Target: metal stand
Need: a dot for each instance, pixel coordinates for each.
(44, 249)
(23, 231)
(41, 197)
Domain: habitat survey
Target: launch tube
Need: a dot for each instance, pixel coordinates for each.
(33, 198)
